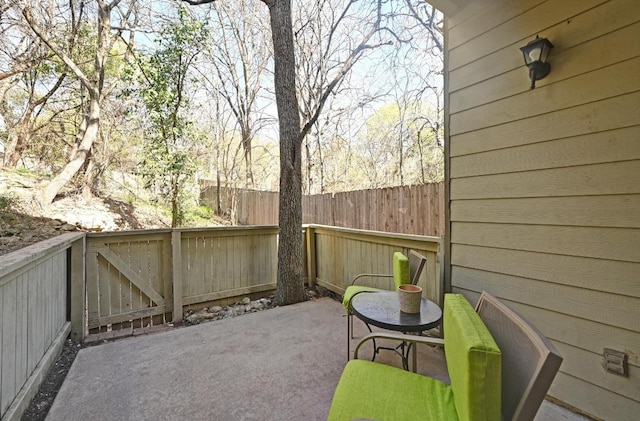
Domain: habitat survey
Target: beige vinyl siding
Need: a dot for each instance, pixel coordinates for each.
(544, 184)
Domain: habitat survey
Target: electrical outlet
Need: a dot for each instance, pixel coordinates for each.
(615, 362)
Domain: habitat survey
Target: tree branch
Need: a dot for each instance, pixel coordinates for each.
(26, 12)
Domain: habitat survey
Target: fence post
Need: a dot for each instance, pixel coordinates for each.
(77, 288)
(311, 255)
(176, 275)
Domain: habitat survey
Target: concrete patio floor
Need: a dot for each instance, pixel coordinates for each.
(278, 364)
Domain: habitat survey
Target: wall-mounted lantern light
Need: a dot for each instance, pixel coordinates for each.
(535, 57)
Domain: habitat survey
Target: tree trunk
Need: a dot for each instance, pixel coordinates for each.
(289, 287)
(89, 179)
(21, 142)
(89, 136)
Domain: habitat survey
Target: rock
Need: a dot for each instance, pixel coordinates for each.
(68, 227)
(313, 293)
(322, 291)
(196, 318)
(54, 223)
(256, 305)
(7, 240)
(245, 301)
(215, 309)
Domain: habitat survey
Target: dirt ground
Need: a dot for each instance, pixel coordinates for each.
(40, 404)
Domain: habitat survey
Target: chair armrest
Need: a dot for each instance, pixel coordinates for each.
(425, 340)
(371, 275)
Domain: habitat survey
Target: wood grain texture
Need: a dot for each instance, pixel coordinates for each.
(523, 25)
(617, 244)
(593, 274)
(406, 209)
(615, 178)
(615, 310)
(545, 183)
(608, 82)
(594, 400)
(575, 43)
(341, 254)
(609, 114)
(616, 211)
(33, 311)
(594, 148)
(511, 78)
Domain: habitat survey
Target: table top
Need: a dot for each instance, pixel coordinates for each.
(382, 309)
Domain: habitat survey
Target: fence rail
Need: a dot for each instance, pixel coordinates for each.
(407, 210)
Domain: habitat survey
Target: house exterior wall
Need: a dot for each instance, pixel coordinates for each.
(544, 184)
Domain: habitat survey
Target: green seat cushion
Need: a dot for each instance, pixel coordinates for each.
(383, 393)
(353, 290)
(401, 272)
(473, 361)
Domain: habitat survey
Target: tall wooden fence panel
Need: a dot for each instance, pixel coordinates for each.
(35, 317)
(407, 210)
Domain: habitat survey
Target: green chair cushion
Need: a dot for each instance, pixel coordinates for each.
(376, 391)
(401, 276)
(401, 272)
(473, 361)
(353, 290)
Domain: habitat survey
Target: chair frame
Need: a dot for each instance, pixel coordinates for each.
(417, 262)
(518, 404)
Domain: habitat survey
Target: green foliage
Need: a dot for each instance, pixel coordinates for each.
(198, 215)
(7, 202)
(167, 164)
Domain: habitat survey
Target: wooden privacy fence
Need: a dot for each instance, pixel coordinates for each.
(101, 285)
(140, 279)
(336, 255)
(408, 209)
(35, 314)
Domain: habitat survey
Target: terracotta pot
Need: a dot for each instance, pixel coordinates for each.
(410, 297)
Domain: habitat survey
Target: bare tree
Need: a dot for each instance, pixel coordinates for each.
(41, 23)
(289, 284)
(240, 57)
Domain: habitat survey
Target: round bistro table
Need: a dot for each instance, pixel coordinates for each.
(382, 309)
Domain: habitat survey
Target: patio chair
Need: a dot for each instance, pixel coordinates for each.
(529, 363)
(416, 263)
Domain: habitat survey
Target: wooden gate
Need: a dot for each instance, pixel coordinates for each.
(128, 281)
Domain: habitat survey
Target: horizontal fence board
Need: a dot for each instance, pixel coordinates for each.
(219, 295)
